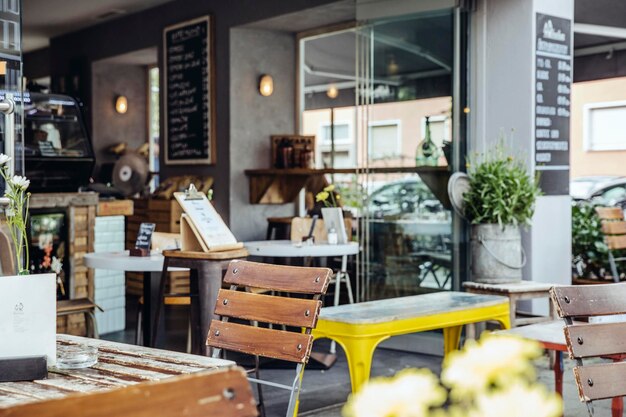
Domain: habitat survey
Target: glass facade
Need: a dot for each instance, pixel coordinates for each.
(379, 98)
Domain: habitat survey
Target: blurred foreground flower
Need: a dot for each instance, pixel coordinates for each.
(493, 377)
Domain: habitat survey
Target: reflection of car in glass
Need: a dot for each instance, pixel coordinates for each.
(403, 198)
(604, 190)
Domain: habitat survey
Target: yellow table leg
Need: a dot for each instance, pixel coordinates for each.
(451, 339)
(359, 353)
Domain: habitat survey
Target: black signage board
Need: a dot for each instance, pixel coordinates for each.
(553, 79)
(144, 236)
(189, 91)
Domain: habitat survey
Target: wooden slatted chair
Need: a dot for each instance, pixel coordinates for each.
(224, 393)
(603, 339)
(293, 346)
(614, 229)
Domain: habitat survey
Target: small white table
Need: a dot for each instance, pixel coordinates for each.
(151, 266)
(289, 249)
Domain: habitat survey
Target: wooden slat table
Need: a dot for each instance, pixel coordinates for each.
(523, 290)
(119, 365)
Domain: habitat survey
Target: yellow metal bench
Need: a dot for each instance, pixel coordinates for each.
(359, 328)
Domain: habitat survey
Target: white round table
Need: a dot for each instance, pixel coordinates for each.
(151, 266)
(289, 249)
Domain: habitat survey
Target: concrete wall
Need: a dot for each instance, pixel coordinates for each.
(503, 97)
(253, 118)
(594, 162)
(72, 55)
(109, 127)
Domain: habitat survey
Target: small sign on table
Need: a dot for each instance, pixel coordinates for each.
(144, 237)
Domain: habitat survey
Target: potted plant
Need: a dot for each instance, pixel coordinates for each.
(501, 198)
(30, 299)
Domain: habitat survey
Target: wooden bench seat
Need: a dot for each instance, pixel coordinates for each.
(359, 328)
(81, 306)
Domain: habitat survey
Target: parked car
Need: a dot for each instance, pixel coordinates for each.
(604, 190)
(408, 197)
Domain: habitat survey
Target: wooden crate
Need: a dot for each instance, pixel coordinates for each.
(166, 215)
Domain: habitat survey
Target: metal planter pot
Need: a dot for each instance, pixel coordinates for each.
(497, 254)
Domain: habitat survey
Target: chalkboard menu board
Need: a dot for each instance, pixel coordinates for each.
(189, 91)
(553, 77)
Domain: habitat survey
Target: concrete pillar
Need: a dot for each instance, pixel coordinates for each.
(513, 86)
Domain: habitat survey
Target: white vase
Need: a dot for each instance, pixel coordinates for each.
(333, 219)
(28, 320)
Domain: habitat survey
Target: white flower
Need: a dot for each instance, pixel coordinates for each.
(20, 182)
(9, 212)
(4, 159)
(409, 394)
(56, 265)
(518, 400)
(496, 359)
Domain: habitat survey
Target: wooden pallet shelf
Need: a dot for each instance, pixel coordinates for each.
(280, 186)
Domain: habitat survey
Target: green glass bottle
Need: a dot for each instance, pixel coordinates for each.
(427, 153)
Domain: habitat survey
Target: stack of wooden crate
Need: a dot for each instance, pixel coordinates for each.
(166, 215)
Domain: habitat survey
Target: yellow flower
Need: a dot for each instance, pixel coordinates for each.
(337, 197)
(518, 400)
(494, 360)
(329, 188)
(409, 394)
(322, 196)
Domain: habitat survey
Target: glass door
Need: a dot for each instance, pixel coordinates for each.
(382, 99)
(11, 94)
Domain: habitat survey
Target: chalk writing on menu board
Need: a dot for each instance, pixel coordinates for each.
(188, 105)
(553, 77)
(144, 236)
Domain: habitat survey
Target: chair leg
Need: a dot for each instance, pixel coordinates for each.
(94, 325)
(294, 398)
(257, 374)
(138, 332)
(159, 305)
(189, 336)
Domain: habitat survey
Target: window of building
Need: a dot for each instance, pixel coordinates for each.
(384, 140)
(604, 126)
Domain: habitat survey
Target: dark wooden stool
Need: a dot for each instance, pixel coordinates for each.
(205, 281)
(81, 306)
(278, 228)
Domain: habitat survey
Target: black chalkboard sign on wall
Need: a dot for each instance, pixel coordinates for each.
(189, 92)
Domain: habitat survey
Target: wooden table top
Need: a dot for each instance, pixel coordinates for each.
(423, 305)
(118, 365)
(549, 333)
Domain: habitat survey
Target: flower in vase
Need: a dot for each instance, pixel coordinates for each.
(56, 265)
(322, 196)
(20, 182)
(328, 196)
(517, 400)
(4, 159)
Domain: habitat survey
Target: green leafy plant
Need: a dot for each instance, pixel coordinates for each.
(501, 191)
(589, 252)
(16, 212)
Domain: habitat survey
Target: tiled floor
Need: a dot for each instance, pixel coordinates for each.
(325, 391)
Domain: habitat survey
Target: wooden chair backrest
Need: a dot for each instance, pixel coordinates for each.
(595, 381)
(300, 227)
(224, 393)
(293, 346)
(613, 226)
(7, 252)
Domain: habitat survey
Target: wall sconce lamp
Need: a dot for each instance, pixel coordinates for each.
(266, 85)
(332, 92)
(121, 104)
